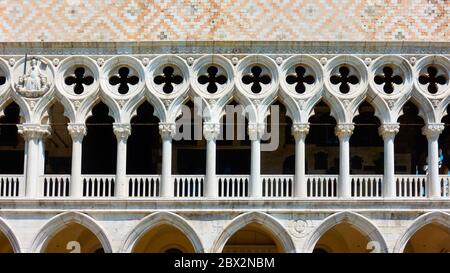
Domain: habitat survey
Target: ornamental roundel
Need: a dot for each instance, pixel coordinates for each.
(432, 76)
(4, 77)
(301, 76)
(33, 77)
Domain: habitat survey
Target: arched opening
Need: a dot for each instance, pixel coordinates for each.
(444, 146)
(274, 161)
(144, 143)
(5, 244)
(410, 144)
(322, 145)
(431, 238)
(253, 238)
(233, 142)
(58, 145)
(11, 143)
(366, 145)
(163, 238)
(73, 238)
(342, 238)
(100, 144)
(191, 145)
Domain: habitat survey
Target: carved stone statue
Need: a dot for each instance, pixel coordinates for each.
(34, 83)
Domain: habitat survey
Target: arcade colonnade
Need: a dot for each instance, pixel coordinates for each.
(168, 81)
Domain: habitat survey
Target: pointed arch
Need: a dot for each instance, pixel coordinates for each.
(160, 218)
(136, 101)
(337, 110)
(438, 217)
(44, 106)
(361, 223)
(7, 231)
(58, 222)
(85, 110)
(268, 221)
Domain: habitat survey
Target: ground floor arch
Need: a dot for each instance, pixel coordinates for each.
(346, 232)
(254, 232)
(429, 233)
(8, 241)
(163, 232)
(71, 232)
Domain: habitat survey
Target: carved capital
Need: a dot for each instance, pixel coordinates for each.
(256, 130)
(211, 130)
(122, 130)
(388, 130)
(33, 131)
(344, 130)
(77, 131)
(300, 130)
(167, 130)
(433, 130)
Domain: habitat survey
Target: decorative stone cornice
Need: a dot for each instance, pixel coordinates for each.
(211, 130)
(300, 130)
(433, 130)
(256, 130)
(33, 131)
(388, 130)
(122, 130)
(167, 130)
(77, 131)
(344, 130)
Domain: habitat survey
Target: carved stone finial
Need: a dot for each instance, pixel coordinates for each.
(211, 130)
(344, 130)
(167, 130)
(122, 130)
(77, 131)
(300, 130)
(388, 130)
(433, 130)
(33, 131)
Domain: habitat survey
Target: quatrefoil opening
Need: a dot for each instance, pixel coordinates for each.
(433, 79)
(168, 79)
(78, 79)
(388, 79)
(256, 78)
(300, 79)
(213, 78)
(344, 79)
(123, 79)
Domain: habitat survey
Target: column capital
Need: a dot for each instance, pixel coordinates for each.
(344, 130)
(433, 130)
(77, 131)
(33, 131)
(300, 130)
(388, 130)
(256, 130)
(122, 130)
(167, 129)
(211, 130)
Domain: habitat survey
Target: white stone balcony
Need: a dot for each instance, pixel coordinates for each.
(228, 186)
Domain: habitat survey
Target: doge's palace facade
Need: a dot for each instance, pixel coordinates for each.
(74, 178)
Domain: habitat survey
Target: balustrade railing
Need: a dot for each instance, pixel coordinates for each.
(277, 185)
(12, 185)
(233, 185)
(55, 185)
(143, 185)
(444, 183)
(98, 185)
(411, 186)
(321, 186)
(188, 185)
(367, 186)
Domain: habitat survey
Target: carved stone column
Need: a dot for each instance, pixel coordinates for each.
(33, 135)
(344, 132)
(432, 132)
(77, 132)
(210, 132)
(255, 133)
(122, 132)
(300, 131)
(388, 132)
(167, 131)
